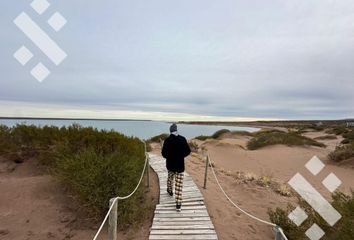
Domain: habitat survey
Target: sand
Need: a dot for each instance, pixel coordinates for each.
(34, 206)
(279, 162)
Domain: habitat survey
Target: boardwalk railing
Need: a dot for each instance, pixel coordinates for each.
(279, 234)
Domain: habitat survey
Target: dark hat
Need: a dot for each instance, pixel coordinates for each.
(173, 128)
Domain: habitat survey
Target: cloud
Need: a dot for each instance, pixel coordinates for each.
(278, 59)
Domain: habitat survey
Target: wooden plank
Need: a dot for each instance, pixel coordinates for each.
(176, 224)
(182, 227)
(193, 222)
(180, 219)
(168, 208)
(182, 232)
(184, 211)
(184, 237)
(184, 200)
(192, 203)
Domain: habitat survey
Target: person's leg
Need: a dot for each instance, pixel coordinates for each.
(178, 190)
(170, 182)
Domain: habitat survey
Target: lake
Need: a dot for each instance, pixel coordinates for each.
(140, 129)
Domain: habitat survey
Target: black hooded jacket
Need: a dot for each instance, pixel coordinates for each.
(175, 149)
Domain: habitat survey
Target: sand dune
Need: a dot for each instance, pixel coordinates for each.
(279, 162)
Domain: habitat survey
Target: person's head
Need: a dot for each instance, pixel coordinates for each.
(173, 128)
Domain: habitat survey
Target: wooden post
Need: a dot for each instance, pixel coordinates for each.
(206, 171)
(278, 235)
(112, 221)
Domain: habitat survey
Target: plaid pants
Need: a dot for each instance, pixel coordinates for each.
(178, 185)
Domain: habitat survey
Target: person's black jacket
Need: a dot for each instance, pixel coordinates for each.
(175, 149)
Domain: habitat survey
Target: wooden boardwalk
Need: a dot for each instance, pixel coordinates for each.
(193, 222)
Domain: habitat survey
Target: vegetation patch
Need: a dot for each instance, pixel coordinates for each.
(337, 130)
(272, 137)
(342, 230)
(202, 137)
(219, 133)
(193, 146)
(262, 181)
(342, 153)
(95, 165)
(242, 133)
(158, 138)
(326, 137)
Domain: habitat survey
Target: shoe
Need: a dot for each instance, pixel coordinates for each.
(178, 207)
(170, 193)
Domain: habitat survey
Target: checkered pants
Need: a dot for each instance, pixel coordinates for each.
(178, 185)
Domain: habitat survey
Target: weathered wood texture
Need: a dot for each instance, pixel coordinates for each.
(193, 222)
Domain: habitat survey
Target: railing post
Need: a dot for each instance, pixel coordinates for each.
(206, 171)
(112, 222)
(278, 235)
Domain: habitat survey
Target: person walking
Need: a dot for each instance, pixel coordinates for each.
(175, 149)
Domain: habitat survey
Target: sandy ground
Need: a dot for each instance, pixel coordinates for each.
(33, 206)
(278, 162)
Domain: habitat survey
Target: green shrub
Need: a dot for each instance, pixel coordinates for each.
(219, 133)
(337, 130)
(193, 146)
(202, 137)
(341, 153)
(95, 165)
(157, 138)
(97, 177)
(272, 137)
(215, 135)
(342, 230)
(326, 137)
(242, 133)
(349, 136)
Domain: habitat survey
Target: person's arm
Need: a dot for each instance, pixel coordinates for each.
(164, 151)
(187, 149)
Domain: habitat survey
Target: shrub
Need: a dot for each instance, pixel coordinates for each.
(272, 137)
(342, 153)
(157, 138)
(349, 136)
(202, 137)
(326, 137)
(342, 230)
(95, 165)
(337, 130)
(219, 133)
(96, 178)
(193, 146)
(242, 133)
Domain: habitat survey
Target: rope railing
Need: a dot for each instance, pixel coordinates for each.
(276, 227)
(115, 200)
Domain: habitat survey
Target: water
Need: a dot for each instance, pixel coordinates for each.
(140, 129)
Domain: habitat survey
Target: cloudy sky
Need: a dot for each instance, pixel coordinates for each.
(187, 59)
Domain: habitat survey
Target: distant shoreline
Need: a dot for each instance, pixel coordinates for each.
(80, 119)
(275, 123)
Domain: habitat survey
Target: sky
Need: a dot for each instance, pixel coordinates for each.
(185, 60)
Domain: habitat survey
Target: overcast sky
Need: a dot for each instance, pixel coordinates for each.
(161, 59)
